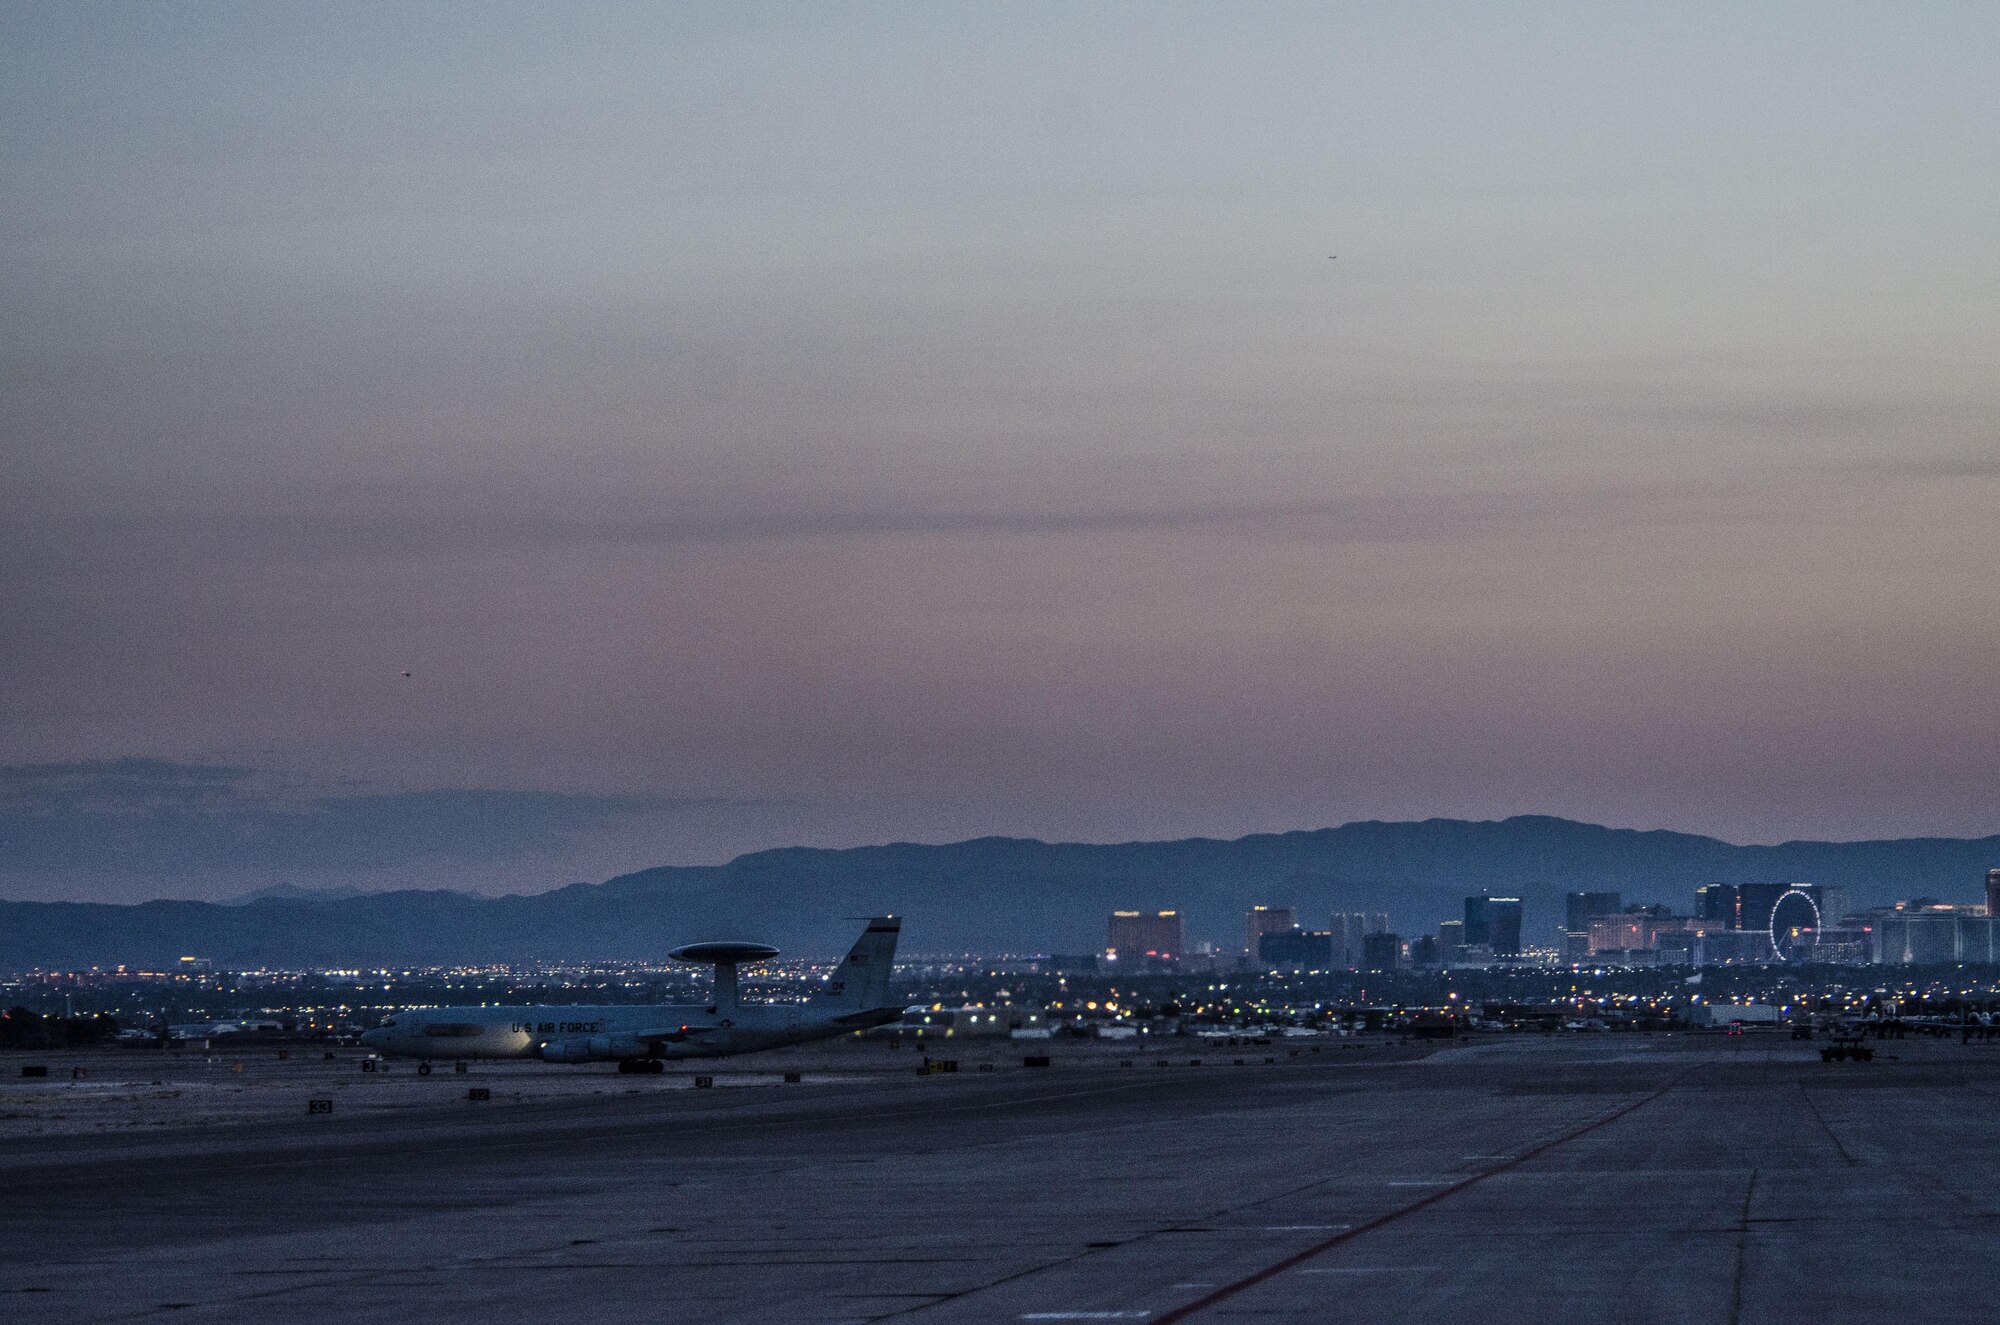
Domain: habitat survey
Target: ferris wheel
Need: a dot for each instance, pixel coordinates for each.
(1795, 925)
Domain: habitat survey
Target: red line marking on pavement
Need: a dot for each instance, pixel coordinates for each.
(1228, 1291)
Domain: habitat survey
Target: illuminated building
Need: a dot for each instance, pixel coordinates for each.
(1722, 945)
(1264, 920)
(1494, 922)
(1741, 905)
(1579, 909)
(1640, 929)
(1141, 934)
(1349, 928)
(1924, 932)
(1382, 952)
(1308, 948)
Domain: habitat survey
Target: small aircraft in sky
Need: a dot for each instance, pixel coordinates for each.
(641, 1037)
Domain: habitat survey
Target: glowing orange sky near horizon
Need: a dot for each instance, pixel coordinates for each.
(882, 421)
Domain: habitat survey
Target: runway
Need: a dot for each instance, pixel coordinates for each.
(1585, 1178)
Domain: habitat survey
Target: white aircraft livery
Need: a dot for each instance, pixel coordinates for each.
(639, 1038)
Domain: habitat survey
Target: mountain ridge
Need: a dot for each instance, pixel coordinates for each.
(990, 894)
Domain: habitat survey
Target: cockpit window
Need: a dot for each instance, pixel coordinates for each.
(388, 1023)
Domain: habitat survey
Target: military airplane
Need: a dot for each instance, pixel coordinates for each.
(640, 1038)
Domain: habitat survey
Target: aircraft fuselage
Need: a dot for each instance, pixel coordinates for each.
(586, 1033)
(853, 997)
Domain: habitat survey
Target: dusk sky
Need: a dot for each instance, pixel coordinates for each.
(756, 425)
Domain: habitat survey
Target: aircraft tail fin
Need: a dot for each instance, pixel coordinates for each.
(862, 978)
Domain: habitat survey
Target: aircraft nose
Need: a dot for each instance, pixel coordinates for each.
(374, 1039)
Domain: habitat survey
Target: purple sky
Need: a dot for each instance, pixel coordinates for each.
(755, 425)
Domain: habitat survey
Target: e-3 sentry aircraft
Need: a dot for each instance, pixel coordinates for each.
(640, 1038)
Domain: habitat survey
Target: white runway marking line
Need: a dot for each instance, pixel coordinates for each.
(1374, 1269)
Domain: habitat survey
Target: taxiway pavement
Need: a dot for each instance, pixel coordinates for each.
(1694, 1178)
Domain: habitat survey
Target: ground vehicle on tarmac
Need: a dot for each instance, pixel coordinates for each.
(1846, 1043)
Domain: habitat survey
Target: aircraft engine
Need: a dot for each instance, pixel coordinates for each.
(595, 1049)
(618, 1046)
(567, 1051)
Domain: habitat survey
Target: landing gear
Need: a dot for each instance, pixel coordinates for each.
(423, 1069)
(641, 1066)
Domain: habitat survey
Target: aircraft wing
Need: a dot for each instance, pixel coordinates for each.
(674, 1034)
(868, 1017)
